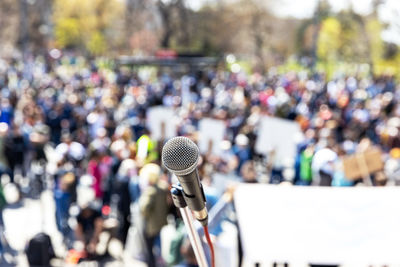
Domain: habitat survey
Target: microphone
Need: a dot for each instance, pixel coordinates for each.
(180, 156)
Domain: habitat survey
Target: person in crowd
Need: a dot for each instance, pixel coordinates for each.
(248, 172)
(127, 172)
(322, 165)
(146, 148)
(63, 198)
(88, 229)
(4, 167)
(306, 158)
(99, 167)
(14, 150)
(241, 150)
(2, 205)
(189, 258)
(70, 150)
(154, 208)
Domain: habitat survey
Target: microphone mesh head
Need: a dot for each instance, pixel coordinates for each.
(180, 155)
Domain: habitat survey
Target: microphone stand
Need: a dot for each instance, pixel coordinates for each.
(179, 202)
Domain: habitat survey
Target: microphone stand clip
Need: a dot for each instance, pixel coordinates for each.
(179, 202)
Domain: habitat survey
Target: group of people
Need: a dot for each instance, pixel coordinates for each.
(79, 128)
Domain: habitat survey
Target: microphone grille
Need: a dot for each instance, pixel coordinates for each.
(180, 155)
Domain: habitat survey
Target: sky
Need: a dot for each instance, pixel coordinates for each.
(389, 12)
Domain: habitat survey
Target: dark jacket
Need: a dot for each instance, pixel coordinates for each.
(154, 208)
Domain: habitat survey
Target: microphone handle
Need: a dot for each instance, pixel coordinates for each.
(193, 190)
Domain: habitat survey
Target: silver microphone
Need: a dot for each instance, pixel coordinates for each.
(180, 156)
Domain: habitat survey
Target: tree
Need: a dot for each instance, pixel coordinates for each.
(329, 43)
(166, 12)
(246, 28)
(138, 26)
(260, 30)
(88, 25)
(354, 40)
(322, 11)
(329, 40)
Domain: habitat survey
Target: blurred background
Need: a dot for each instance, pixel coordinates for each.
(315, 34)
(301, 93)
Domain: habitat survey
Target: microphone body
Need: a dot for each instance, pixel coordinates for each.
(180, 156)
(194, 194)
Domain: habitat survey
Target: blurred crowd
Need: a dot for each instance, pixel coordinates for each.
(79, 129)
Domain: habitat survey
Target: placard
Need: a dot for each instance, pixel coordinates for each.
(356, 226)
(359, 165)
(280, 136)
(161, 123)
(211, 134)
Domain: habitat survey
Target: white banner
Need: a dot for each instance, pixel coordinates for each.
(353, 226)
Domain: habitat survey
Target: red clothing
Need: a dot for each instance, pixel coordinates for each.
(94, 170)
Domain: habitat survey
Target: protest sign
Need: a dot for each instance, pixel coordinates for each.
(211, 134)
(278, 135)
(321, 225)
(161, 123)
(363, 164)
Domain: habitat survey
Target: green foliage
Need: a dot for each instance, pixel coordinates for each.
(384, 62)
(86, 23)
(323, 10)
(292, 64)
(349, 40)
(96, 44)
(67, 32)
(374, 29)
(245, 66)
(328, 44)
(329, 39)
(241, 27)
(354, 45)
